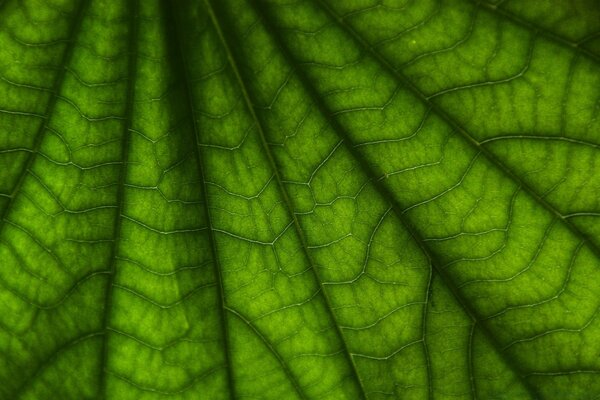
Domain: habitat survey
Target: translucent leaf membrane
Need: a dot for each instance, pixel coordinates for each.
(314, 200)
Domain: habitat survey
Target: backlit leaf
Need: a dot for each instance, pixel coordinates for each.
(313, 199)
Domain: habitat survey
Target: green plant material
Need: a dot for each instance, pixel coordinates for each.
(277, 199)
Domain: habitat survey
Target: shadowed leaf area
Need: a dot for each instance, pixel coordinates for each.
(299, 199)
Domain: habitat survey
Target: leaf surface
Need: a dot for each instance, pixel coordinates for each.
(313, 200)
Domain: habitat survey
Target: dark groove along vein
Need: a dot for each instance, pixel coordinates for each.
(424, 323)
(54, 96)
(405, 81)
(272, 349)
(470, 365)
(274, 167)
(265, 146)
(398, 209)
(175, 30)
(499, 11)
(125, 143)
(53, 357)
(427, 294)
(39, 137)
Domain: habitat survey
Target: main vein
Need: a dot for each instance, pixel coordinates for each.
(435, 264)
(402, 79)
(125, 143)
(176, 25)
(58, 83)
(284, 193)
(574, 46)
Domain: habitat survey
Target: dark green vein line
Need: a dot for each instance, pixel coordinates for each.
(385, 193)
(405, 81)
(39, 135)
(470, 363)
(52, 358)
(588, 38)
(125, 143)
(283, 190)
(174, 31)
(493, 9)
(3, 4)
(426, 354)
(272, 349)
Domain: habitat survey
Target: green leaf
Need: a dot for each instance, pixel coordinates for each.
(317, 199)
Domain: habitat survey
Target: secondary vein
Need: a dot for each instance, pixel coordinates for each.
(283, 191)
(184, 67)
(125, 143)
